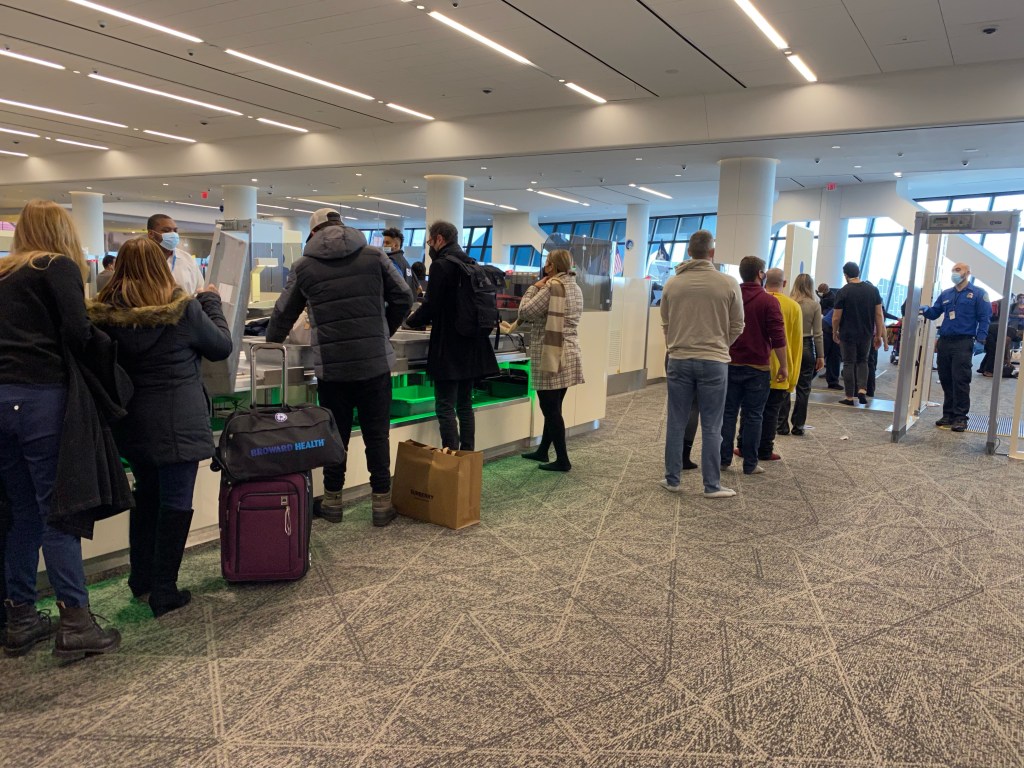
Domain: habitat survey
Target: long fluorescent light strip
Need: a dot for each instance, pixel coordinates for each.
(396, 202)
(31, 59)
(268, 121)
(585, 92)
(381, 213)
(320, 202)
(481, 202)
(275, 207)
(802, 68)
(81, 144)
(762, 24)
(197, 205)
(170, 136)
(480, 38)
(163, 94)
(652, 191)
(408, 111)
(300, 75)
(23, 105)
(137, 20)
(24, 133)
(559, 197)
(15, 154)
(508, 207)
(302, 210)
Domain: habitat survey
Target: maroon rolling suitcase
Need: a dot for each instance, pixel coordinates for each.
(265, 528)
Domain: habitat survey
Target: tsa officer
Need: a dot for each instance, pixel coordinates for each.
(164, 232)
(966, 314)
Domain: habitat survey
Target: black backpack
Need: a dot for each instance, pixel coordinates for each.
(476, 309)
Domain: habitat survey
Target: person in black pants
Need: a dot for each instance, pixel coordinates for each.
(553, 307)
(857, 325)
(162, 335)
(454, 361)
(356, 299)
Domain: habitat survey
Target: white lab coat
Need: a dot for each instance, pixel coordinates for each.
(185, 271)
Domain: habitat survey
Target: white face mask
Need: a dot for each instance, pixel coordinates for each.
(169, 240)
(957, 278)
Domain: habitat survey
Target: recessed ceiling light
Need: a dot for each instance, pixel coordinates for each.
(585, 92)
(415, 187)
(61, 113)
(300, 75)
(30, 59)
(970, 150)
(678, 175)
(281, 125)
(137, 20)
(802, 68)
(82, 144)
(14, 154)
(421, 7)
(396, 202)
(164, 94)
(483, 167)
(359, 174)
(170, 136)
(762, 24)
(898, 174)
(408, 111)
(836, 146)
(88, 187)
(858, 166)
(19, 133)
(166, 184)
(639, 158)
(480, 38)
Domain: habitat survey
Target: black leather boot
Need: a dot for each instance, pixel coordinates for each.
(141, 548)
(687, 461)
(25, 627)
(171, 534)
(78, 635)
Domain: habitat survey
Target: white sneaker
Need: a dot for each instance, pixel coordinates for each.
(758, 470)
(671, 488)
(721, 493)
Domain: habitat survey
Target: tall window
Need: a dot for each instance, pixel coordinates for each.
(997, 201)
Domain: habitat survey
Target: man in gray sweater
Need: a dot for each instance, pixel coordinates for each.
(702, 315)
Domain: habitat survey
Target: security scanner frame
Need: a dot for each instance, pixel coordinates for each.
(915, 372)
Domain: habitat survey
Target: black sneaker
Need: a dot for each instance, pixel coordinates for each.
(943, 422)
(798, 431)
(959, 426)
(836, 386)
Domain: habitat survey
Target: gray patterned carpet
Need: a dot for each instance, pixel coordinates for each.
(860, 604)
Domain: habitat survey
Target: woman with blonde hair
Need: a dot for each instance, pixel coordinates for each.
(162, 335)
(42, 293)
(553, 307)
(813, 359)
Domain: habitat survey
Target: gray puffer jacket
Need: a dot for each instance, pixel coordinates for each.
(356, 299)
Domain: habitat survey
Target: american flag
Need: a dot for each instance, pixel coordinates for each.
(617, 267)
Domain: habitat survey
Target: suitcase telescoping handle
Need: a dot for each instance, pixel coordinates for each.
(253, 350)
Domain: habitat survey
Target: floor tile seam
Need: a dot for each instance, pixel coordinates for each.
(339, 610)
(383, 587)
(1016, 663)
(213, 670)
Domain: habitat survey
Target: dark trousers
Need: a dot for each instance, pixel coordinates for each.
(872, 371)
(955, 360)
(855, 365)
(158, 526)
(691, 423)
(453, 403)
(770, 421)
(833, 356)
(988, 362)
(550, 401)
(748, 391)
(5, 523)
(803, 384)
(371, 399)
(30, 429)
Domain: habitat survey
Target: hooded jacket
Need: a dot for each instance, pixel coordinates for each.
(356, 301)
(161, 348)
(397, 257)
(701, 312)
(451, 356)
(764, 329)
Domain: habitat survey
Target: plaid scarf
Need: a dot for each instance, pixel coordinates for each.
(554, 328)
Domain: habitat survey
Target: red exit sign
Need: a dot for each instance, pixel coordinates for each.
(831, 186)
(205, 195)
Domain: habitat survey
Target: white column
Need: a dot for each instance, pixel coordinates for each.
(444, 200)
(832, 233)
(638, 224)
(746, 194)
(87, 213)
(239, 202)
(514, 229)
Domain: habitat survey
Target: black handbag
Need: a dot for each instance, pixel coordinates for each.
(269, 440)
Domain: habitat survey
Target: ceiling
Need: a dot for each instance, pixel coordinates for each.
(620, 49)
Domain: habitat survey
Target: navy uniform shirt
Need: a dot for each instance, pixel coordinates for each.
(967, 312)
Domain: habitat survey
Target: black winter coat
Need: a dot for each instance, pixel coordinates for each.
(451, 355)
(356, 301)
(402, 265)
(161, 348)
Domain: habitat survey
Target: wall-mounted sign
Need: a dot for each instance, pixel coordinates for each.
(629, 245)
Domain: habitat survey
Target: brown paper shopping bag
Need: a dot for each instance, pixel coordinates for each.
(436, 486)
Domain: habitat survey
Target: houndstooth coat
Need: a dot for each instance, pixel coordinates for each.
(534, 310)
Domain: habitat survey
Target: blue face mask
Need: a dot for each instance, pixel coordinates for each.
(169, 240)
(957, 278)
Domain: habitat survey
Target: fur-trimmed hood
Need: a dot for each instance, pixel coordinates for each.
(140, 317)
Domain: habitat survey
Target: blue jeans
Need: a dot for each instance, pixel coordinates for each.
(30, 427)
(748, 390)
(708, 380)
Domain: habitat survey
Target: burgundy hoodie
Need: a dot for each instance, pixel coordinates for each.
(763, 331)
